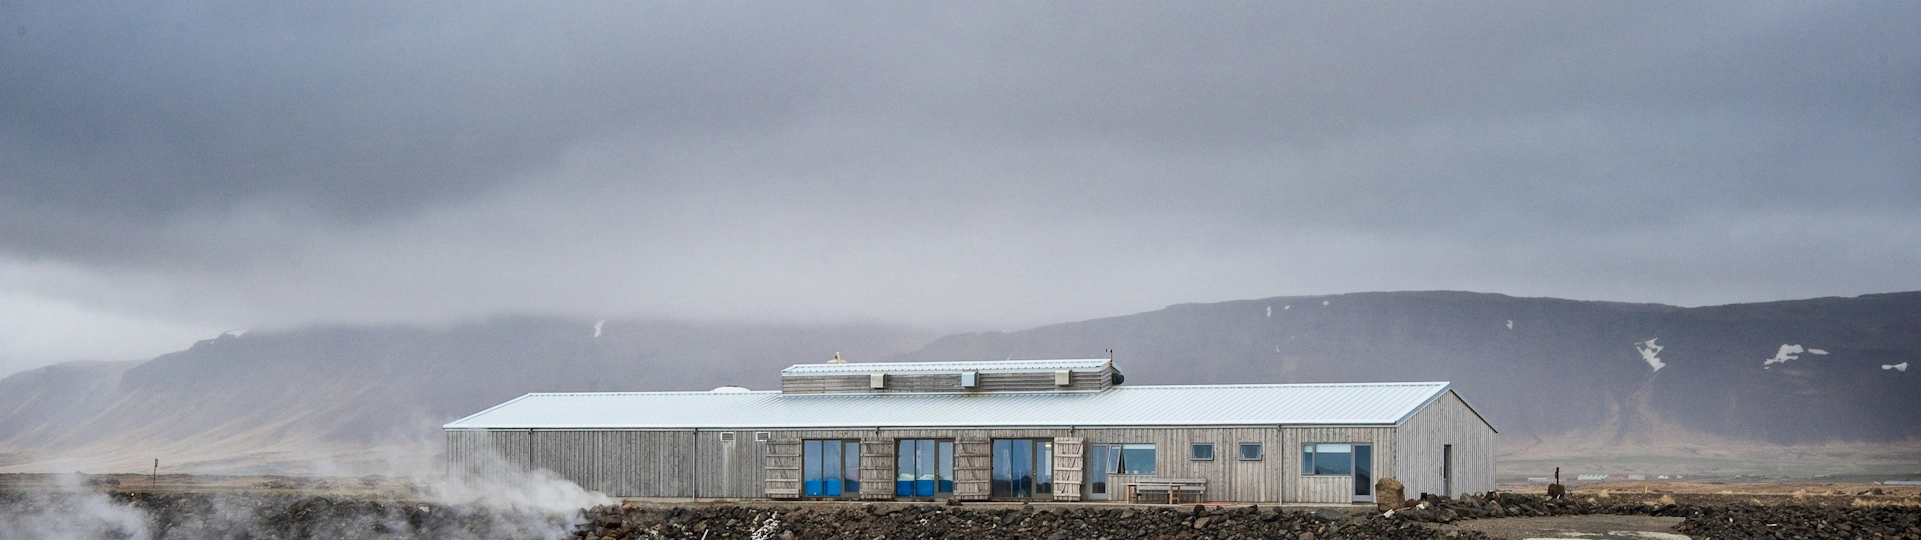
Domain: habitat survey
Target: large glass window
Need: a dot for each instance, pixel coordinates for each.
(1137, 459)
(1327, 459)
(830, 468)
(924, 468)
(1023, 468)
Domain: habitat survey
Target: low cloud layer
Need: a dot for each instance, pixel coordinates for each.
(173, 170)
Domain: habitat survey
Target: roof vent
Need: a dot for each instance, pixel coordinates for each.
(970, 379)
(877, 381)
(729, 389)
(1062, 377)
(836, 359)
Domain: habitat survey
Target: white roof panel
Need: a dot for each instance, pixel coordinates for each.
(863, 368)
(1244, 404)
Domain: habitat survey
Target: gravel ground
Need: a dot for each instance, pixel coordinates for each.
(1589, 527)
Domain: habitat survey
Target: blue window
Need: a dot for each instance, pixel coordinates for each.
(1023, 469)
(924, 468)
(830, 468)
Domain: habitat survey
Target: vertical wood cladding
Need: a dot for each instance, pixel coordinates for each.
(782, 455)
(973, 467)
(877, 467)
(690, 463)
(1068, 464)
(1316, 489)
(1447, 421)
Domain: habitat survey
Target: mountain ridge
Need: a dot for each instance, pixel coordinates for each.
(1545, 371)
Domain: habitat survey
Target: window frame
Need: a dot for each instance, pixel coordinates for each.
(1194, 451)
(1153, 465)
(1309, 457)
(1240, 451)
(848, 465)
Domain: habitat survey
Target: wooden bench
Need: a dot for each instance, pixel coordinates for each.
(1172, 490)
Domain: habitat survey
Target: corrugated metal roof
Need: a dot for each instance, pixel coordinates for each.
(1095, 364)
(1246, 404)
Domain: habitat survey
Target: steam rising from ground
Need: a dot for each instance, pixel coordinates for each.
(84, 516)
(504, 503)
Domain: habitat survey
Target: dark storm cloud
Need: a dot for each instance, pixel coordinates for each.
(941, 162)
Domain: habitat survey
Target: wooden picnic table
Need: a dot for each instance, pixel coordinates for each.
(1173, 486)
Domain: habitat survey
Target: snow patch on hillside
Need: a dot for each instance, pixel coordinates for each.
(1787, 352)
(1649, 352)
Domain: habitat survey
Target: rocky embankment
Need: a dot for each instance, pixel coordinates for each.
(1056, 522)
(160, 516)
(1706, 516)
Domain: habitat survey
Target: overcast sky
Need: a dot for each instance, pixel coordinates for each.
(171, 170)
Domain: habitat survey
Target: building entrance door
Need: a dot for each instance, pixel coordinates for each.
(1363, 473)
(925, 468)
(1023, 469)
(1102, 460)
(830, 468)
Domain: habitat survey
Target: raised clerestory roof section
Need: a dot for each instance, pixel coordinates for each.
(983, 377)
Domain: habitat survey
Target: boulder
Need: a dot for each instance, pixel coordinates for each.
(1388, 493)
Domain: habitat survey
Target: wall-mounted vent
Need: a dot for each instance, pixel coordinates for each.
(726, 436)
(877, 381)
(761, 436)
(1062, 377)
(970, 379)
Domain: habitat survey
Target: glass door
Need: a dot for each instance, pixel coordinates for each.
(1102, 460)
(830, 468)
(1363, 473)
(924, 468)
(1023, 469)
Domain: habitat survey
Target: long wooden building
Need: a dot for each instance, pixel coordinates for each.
(1060, 430)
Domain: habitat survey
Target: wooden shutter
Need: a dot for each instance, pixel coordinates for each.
(1067, 468)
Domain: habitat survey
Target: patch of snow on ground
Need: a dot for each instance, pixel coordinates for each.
(1323, 302)
(1787, 352)
(1649, 352)
(1817, 351)
(1510, 324)
(1902, 367)
(597, 325)
(1270, 311)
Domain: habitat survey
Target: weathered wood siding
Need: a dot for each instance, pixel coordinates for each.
(473, 453)
(626, 463)
(1067, 459)
(1446, 421)
(1314, 489)
(973, 467)
(644, 463)
(730, 469)
(877, 468)
(782, 456)
(1326, 489)
(943, 383)
(1228, 477)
